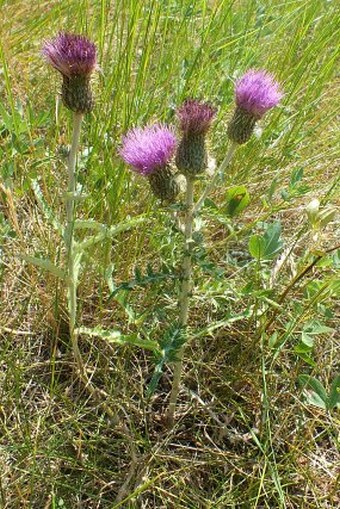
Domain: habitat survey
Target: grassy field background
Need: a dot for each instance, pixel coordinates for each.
(245, 435)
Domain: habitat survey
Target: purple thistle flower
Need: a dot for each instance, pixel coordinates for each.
(195, 116)
(257, 92)
(71, 54)
(148, 149)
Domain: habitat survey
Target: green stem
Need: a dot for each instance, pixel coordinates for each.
(184, 296)
(69, 239)
(71, 258)
(217, 175)
(191, 210)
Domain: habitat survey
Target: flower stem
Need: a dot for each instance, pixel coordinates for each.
(217, 175)
(69, 240)
(191, 210)
(184, 296)
(71, 265)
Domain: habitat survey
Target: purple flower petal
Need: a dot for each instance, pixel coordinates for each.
(257, 92)
(149, 148)
(71, 54)
(195, 116)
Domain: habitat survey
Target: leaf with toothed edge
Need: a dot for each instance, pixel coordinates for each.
(169, 345)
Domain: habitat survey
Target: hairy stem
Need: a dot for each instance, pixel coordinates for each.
(183, 296)
(69, 239)
(217, 175)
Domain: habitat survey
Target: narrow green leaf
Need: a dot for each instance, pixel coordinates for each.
(169, 346)
(305, 356)
(44, 264)
(45, 208)
(89, 224)
(115, 336)
(113, 231)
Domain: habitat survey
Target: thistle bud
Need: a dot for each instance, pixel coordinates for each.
(149, 151)
(74, 56)
(195, 120)
(256, 93)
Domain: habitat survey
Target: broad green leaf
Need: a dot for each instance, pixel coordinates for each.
(301, 347)
(266, 246)
(296, 176)
(315, 327)
(115, 336)
(14, 121)
(256, 246)
(307, 340)
(44, 264)
(237, 199)
(314, 391)
(272, 241)
(334, 395)
(305, 356)
(273, 339)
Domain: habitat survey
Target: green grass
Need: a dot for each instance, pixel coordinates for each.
(245, 436)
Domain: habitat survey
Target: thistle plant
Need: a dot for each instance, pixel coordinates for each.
(256, 93)
(74, 56)
(149, 150)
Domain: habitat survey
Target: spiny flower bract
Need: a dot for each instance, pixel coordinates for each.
(195, 116)
(71, 54)
(257, 92)
(149, 148)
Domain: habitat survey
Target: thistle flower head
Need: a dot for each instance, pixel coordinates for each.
(257, 92)
(148, 149)
(195, 116)
(71, 54)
